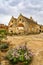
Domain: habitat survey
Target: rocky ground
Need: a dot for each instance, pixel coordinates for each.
(34, 42)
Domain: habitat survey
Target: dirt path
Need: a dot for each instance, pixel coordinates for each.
(34, 42)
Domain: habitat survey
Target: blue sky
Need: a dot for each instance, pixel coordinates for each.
(28, 8)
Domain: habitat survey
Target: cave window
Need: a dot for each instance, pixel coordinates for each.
(10, 25)
(20, 19)
(12, 21)
(40, 30)
(40, 26)
(11, 31)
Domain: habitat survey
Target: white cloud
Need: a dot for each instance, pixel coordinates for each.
(34, 6)
(4, 19)
(21, 6)
(15, 7)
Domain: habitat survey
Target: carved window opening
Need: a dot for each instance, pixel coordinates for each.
(11, 31)
(20, 19)
(12, 21)
(40, 30)
(10, 25)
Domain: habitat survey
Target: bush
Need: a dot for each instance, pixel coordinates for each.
(19, 55)
(3, 32)
(3, 46)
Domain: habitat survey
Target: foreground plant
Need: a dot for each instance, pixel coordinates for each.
(20, 55)
(3, 46)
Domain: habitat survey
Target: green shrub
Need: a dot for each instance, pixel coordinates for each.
(3, 46)
(3, 32)
(22, 54)
(21, 58)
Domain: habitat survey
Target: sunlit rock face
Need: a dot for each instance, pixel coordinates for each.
(23, 24)
(21, 28)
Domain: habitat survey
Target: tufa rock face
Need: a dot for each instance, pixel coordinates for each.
(28, 25)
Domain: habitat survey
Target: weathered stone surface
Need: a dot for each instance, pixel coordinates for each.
(23, 25)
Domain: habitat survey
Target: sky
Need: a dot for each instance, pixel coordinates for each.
(28, 8)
